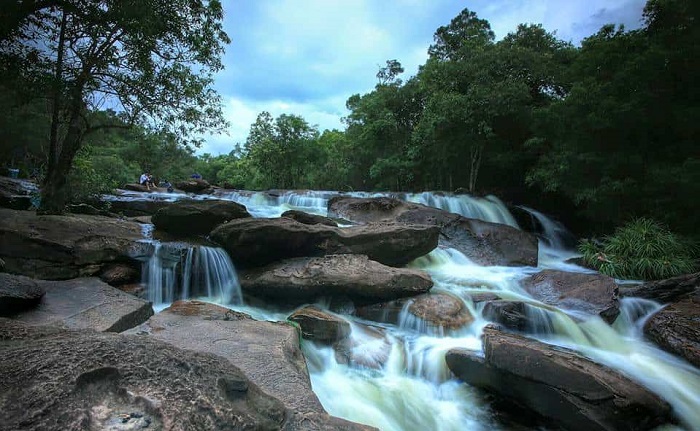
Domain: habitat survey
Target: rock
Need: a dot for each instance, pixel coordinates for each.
(440, 310)
(116, 274)
(89, 210)
(369, 347)
(586, 293)
(18, 293)
(676, 328)
(87, 303)
(135, 187)
(56, 380)
(557, 383)
(306, 218)
(197, 186)
(63, 247)
(334, 276)
(16, 194)
(321, 326)
(257, 241)
(197, 217)
(267, 353)
(478, 298)
(510, 314)
(136, 289)
(137, 208)
(664, 291)
(483, 242)
(437, 311)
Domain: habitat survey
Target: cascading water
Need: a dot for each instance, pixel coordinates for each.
(554, 234)
(397, 379)
(173, 272)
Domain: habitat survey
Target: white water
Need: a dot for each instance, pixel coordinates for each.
(397, 378)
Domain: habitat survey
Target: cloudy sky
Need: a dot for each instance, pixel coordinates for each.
(306, 57)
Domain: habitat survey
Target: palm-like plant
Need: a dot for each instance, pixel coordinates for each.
(641, 249)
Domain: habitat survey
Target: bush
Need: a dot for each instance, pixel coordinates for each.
(641, 249)
(86, 184)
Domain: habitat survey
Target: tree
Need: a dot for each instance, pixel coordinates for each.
(388, 74)
(151, 60)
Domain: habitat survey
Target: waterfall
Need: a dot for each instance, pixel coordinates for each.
(489, 208)
(554, 234)
(172, 272)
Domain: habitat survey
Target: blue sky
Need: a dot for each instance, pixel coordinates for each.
(306, 57)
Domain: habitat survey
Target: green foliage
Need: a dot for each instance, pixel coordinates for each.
(641, 249)
(85, 182)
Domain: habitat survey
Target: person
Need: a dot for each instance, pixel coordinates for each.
(196, 176)
(166, 183)
(145, 180)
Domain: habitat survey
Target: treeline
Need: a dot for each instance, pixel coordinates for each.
(595, 134)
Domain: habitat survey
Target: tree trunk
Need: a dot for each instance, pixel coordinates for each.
(54, 148)
(476, 152)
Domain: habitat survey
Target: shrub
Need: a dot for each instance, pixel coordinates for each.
(86, 184)
(641, 249)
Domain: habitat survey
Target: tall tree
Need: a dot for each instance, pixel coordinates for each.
(152, 60)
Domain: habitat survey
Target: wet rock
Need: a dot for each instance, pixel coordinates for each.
(664, 291)
(346, 276)
(63, 247)
(136, 289)
(510, 314)
(197, 186)
(587, 293)
(557, 383)
(441, 310)
(16, 193)
(56, 380)
(116, 274)
(87, 303)
(318, 325)
(306, 218)
(483, 242)
(256, 242)
(137, 207)
(368, 347)
(478, 298)
(135, 187)
(267, 353)
(197, 217)
(676, 328)
(436, 311)
(18, 293)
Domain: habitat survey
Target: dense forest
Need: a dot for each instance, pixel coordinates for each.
(594, 134)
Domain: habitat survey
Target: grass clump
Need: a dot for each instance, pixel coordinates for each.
(642, 249)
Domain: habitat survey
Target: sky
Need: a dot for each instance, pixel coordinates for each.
(307, 57)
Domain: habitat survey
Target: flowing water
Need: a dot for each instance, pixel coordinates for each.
(397, 378)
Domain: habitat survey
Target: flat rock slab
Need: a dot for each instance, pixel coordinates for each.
(306, 218)
(343, 275)
(267, 353)
(87, 303)
(483, 242)
(54, 247)
(664, 291)
(587, 293)
(676, 328)
(258, 242)
(197, 217)
(18, 293)
(559, 384)
(56, 380)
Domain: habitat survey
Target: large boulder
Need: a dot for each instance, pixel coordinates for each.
(664, 291)
(16, 194)
(320, 326)
(431, 312)
(306, 218)
(676, 328)
(559, 384)
(334, 276)
(194, 185)
(63, 247)
(256, 241)
(483, 242)
(87, 303)
(197, 217)
(18, 293)
(510, 314)
(576, 292)
(137, 207)
(55, 380)
(120, 273)
(267, 353)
